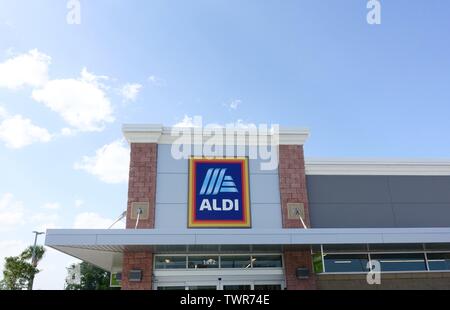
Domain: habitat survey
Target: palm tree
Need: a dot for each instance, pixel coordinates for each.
(19, 270)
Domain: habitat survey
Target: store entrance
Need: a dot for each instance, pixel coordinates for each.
(220, 271)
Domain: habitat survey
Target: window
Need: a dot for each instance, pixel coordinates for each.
(197, 262)
(237, 287)
(171, 288)
(235, 261)
(438, 261)
(267, 261)
(267, 287)
(346, 262)
(170, 262)
(203, 288)
(401, 262)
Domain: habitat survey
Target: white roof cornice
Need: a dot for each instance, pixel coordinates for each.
(142, 133)
(156, 133)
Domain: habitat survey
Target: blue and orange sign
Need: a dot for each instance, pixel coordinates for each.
(219, 193)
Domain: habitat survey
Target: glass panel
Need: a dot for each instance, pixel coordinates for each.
(203, 262)
(229, 248)
(346, 263)
(237, 287)
(401, 262)
(171, 288)
(267, 287)
(203, 249)
(235, 261)
(437, 246)
(203, 288)
(439, 261)
(266, 248)
(267, 261)
(174, 249)
(170, 262)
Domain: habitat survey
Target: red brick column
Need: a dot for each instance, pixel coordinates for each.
(142, 181)
(141, 188)
(137, 260)
(292, 176)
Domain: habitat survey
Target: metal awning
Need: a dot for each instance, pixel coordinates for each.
(104, 247)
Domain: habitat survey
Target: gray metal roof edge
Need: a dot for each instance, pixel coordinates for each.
(71, 237)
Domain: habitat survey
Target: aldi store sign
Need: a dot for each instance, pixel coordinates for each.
(219, 193)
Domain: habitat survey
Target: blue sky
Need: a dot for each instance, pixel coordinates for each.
(362, 90)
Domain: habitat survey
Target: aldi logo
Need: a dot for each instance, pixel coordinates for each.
(219, 193)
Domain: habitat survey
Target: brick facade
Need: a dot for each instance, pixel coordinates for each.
(142, 181)
(141, 188)
(137, 260)
(294, 259)
(293, 190)
(292, 182)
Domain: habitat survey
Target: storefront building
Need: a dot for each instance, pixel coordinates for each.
(196, 220)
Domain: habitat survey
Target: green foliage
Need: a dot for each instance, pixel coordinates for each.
(27, 254)
(19, 272)
(91, 278)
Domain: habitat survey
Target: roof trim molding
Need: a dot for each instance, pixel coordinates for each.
(137, 133)
(377, 167)
(157, 133)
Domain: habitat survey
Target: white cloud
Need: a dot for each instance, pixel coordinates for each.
(17, 132)
(92, 220)
(11, 212)
(3, 112)
(110, 163)
(29, 69)
(66, 131)
(79, 203)
(189, 121)
(94, 79)
(130, 92)
(82, 103)
(157, 81)
(197, 122)
(42, 221)
(51, 206)
(240, 124)
(234, 104)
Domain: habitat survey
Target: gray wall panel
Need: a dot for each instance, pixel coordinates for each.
(171, 216)
(168, 164)
(429, 215)
(266, 216)
(379, 201)
(264, 188)
(420, 189)
(348, 189)
(351, 215)
(171, 188)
